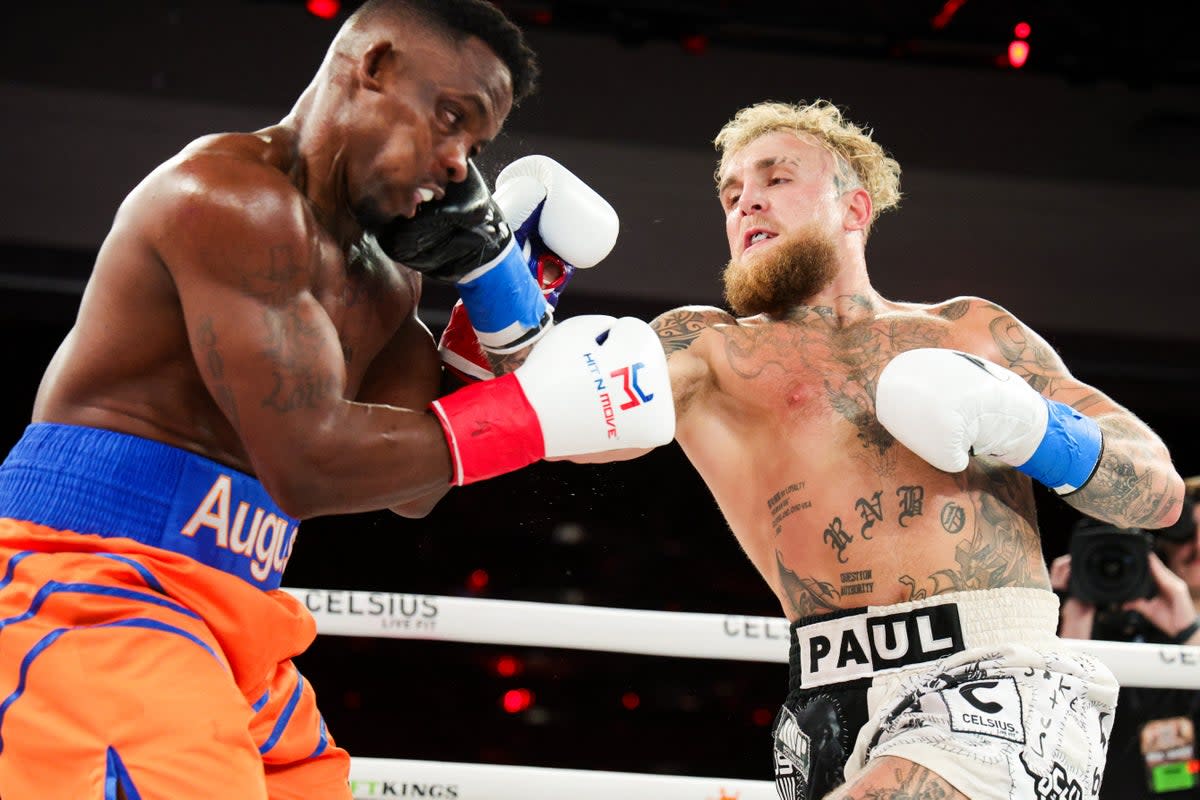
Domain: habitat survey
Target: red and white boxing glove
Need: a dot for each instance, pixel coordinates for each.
(591, 384)
(560, 223)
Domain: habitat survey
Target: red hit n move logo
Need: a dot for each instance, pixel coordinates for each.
(629, 381)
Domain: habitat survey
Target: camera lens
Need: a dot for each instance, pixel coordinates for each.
(1111, 566)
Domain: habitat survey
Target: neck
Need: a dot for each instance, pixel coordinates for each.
(319, 170)
(849, 297)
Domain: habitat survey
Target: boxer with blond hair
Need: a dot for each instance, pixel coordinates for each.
(874, 458)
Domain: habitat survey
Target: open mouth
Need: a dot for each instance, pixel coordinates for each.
(755, 237)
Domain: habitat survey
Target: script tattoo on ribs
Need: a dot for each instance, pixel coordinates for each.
(782, 505)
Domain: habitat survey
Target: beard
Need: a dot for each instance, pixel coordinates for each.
(794, 270)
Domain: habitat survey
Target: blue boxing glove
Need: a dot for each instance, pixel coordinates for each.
(560, 225)
(946, 406)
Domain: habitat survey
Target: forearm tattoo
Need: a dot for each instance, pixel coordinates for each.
(504, 363)
(1127, 487)
(1120, 490)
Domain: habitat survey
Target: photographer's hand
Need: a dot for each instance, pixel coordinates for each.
(1077, 616)
(1171, 610)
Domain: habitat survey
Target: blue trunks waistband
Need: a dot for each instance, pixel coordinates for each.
(88, 480)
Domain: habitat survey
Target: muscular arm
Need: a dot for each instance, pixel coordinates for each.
(243, 259)
(679, 329)
(1135, 483)
(407, 373)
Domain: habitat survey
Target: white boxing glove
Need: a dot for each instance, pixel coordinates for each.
(946, 406)
(575, 223)
(560, 224)
(590, 385)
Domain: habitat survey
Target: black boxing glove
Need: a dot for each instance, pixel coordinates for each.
(463, 238)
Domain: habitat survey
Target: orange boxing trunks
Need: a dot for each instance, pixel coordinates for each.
(145, 648)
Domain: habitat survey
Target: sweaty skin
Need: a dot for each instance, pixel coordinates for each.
(779, 420)
(777, 413)
(238, 310)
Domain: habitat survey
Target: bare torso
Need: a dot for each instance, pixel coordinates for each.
(828, 506)
(132, 361)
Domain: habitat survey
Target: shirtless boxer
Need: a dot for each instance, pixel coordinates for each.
(248, 354)
(863, 452)
(874, 459)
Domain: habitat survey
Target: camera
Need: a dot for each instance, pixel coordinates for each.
(1110, 565)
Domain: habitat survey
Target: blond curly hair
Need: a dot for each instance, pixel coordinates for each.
(856, 154)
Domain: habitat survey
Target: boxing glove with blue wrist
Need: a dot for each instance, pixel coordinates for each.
(560, 223)
(947, 405)
(463, 238)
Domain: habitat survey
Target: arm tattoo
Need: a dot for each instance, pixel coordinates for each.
(293, 346)
(1027, 357)
(1118, 491)
(294, 340)
(206, 341)
(956, 310)
(678, 329)
(504, 363)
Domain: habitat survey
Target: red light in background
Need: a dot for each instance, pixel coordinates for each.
(631, 700)
(943, 17)
(477, 580)
(696, 44)
(508, 666)
(1022, 30)
(542, 16)
(325, 9)
(762, 717)
(1018, 52)
(515, 701)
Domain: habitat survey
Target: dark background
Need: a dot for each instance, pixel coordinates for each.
(1065, 190)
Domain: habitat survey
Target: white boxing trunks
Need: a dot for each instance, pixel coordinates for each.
(974, 686)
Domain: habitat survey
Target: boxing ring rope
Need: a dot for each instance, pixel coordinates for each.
(618, 630)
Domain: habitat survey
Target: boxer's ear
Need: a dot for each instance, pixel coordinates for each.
(858, 209)
(371, 65)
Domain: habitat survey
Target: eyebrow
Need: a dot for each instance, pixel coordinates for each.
(761, 165)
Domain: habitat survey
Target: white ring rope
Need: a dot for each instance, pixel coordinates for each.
(380, 777)
(657, 633)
